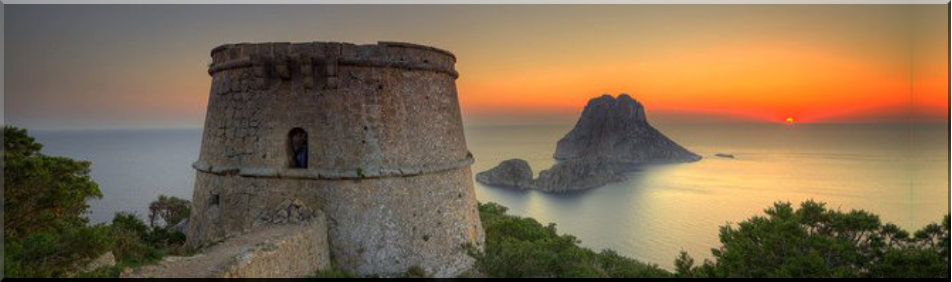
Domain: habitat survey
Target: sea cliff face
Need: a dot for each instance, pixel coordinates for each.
(611, 136)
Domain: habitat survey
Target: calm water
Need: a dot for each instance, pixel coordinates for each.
(897, 171)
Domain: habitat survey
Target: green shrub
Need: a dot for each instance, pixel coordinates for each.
(137, 243)
(522, 247)
(42, 193)
(49, 254)
(131, 244)
(813, 241)
(170, 210)
(129, 222)
(45, 231)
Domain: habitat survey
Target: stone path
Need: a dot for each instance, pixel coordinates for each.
(278, 250)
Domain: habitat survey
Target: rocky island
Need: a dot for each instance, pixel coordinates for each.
(510, 173)
(616, 129)
(611, 137)
(576, 174)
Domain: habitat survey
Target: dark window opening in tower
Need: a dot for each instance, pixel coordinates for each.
(213, 200)
(297, 148)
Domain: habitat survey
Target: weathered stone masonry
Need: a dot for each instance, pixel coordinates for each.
(387, 161)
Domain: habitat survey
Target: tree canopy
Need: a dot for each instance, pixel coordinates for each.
(42, 193)
(523, 247)
(814, 241)
(46, 233)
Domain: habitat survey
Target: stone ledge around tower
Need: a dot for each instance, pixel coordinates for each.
(269, 251)
(329, 174)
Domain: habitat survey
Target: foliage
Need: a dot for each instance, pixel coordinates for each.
(522, 247)
(45, 231)
(42, 193)
(684, 265)
(137, 243)
(171, 210)
(944, 241)
(54, 254)
(17, 142)
(814, 241)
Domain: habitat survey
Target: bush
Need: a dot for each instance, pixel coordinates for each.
(684, 266)
(137, 243)
(49, 254)
(130, 233)
(171, 210)
(813, 241)
(522, 247)
(45, 231)
(42, 193)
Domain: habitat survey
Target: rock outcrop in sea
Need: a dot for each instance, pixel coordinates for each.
(611, 137)
(578, 174)
(616, 129)
(566, 176)
(510, 173)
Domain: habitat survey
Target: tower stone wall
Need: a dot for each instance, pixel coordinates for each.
(387, 161)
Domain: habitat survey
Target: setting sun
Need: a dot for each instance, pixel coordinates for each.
(789, 120)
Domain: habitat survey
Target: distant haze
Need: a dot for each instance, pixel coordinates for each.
(145, 66)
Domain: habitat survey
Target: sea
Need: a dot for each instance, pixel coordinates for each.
(899, 171)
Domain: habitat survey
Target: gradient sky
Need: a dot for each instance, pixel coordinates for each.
(145, 66)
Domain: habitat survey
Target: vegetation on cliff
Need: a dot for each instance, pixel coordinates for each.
(811, 241)
(523, 247)
(170, 211)
(814, 241)
(46, 233)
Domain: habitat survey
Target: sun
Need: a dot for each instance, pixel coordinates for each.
(789, 120)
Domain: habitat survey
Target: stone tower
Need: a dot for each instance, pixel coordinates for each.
(369, 135)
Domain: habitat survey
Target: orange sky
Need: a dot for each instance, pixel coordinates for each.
(813, 63)
(136, 66)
